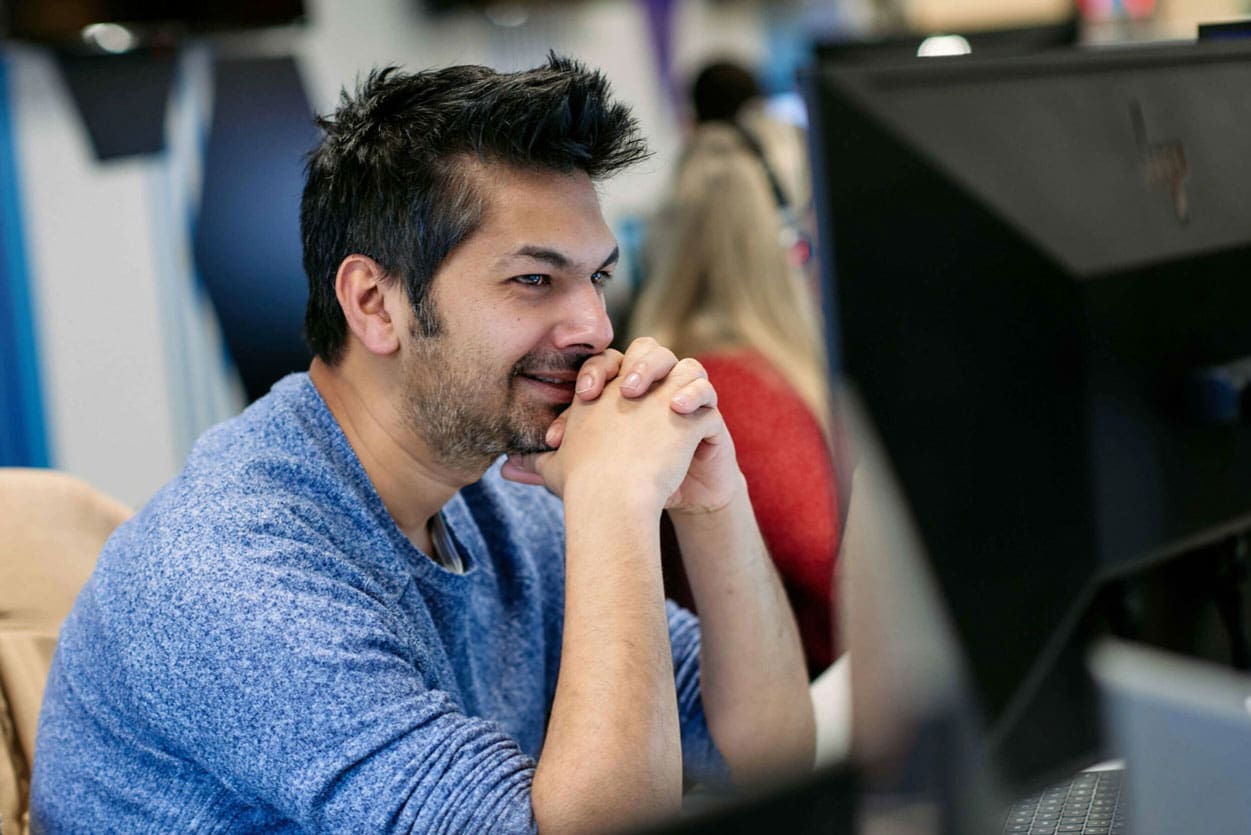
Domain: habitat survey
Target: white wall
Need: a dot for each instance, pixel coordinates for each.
(112, 294)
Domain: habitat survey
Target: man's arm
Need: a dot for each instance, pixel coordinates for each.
(612, 755)
(753, 678)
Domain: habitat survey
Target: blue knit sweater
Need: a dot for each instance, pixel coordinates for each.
(261, 649)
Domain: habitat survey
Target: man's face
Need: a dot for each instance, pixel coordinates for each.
(519, 305)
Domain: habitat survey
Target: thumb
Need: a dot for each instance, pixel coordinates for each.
(522, 469)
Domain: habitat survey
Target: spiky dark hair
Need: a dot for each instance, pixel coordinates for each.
(389, 179)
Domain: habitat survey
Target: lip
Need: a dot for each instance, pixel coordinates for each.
(557, 387)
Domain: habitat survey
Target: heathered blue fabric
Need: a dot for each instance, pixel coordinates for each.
(260, 649)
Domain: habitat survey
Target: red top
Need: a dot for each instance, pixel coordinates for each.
(790, 478)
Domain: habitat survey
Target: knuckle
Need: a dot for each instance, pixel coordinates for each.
(692, 366)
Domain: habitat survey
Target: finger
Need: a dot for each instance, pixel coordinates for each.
(520, 468)
(556, 432)
(683, 374)
(686, 370)
(693, 396)
(596, 372)
(645, 362)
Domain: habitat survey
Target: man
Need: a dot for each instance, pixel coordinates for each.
(344, 616)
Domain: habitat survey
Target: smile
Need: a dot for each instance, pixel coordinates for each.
(553, 387)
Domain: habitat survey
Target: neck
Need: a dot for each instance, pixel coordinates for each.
(412, 485)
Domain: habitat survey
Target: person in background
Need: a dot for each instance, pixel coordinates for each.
(720, 90)
(357, 609)
(726, 92)
(724, 286)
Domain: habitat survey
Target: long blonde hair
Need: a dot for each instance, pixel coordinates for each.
(719, 277)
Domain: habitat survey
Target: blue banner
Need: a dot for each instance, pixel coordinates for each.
(23, 440)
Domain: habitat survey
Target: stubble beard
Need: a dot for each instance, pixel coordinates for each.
(458, 409)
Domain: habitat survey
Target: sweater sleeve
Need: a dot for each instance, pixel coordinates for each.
(701, 761)
(293, 689)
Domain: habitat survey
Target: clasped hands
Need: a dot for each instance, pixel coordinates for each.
(642, 420)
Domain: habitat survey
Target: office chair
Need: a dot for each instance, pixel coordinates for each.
(52, 527)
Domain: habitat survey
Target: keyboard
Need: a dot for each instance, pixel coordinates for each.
(1088, 804)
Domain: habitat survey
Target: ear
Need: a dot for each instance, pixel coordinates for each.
(367, 296)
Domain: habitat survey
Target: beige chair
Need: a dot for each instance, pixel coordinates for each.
(52, 526)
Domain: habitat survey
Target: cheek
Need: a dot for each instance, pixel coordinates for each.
(499, 335)
(490, 355)
(518, 338)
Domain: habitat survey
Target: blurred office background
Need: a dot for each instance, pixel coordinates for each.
(150, 275)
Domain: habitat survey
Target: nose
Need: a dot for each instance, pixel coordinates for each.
(584, 320)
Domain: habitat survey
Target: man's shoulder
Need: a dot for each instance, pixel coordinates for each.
(285, 443)
(280, 471)
(288, 421)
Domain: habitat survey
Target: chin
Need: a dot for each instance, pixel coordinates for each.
(529, 442)
(529, 449)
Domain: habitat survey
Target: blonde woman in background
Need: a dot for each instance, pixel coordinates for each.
(723, 286)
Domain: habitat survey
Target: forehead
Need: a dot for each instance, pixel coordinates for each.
(543, 209)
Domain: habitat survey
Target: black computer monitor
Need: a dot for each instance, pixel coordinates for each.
(1038, 278)
(987, 41)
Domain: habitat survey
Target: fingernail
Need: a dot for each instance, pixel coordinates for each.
(632, 381)
(680, 401)
(585, 382)
(549, 438)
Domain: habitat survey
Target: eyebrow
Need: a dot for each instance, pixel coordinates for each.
(558, 259)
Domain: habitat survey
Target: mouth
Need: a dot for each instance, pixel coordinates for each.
(556, 386)
(551, 376)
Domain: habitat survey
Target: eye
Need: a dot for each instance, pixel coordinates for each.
(532, 280)
(601, 277)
